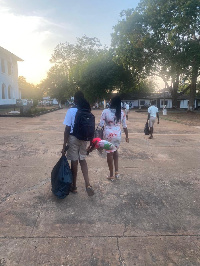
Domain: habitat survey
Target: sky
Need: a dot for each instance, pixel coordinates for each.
(31, 29)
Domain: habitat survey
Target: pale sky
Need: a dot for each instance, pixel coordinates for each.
(31, 29)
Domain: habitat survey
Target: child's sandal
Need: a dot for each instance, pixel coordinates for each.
(111, 178)
(73, 189)
(117, 175)
(90, 191)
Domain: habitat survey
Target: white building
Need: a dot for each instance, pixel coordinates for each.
(9, 90)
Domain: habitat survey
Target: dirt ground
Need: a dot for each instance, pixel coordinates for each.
(183, 117)
(150, 216)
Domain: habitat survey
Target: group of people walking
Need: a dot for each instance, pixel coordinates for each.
(111, 120)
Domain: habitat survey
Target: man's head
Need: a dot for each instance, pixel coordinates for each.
(152, 102)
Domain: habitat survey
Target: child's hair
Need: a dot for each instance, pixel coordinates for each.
(116, 104)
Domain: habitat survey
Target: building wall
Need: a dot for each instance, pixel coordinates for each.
(132, 103)
(9, 90)
(184, 104)
(167, 102)
(144, 102)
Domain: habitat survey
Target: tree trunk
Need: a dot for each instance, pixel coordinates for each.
(193, 89)
(174, 91)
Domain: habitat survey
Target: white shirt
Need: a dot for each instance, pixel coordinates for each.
(153, 110)
(127, 106)
(70, 117)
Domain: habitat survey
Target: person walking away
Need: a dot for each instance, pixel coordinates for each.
(76, 148)
(111, 119)
(126, 110)
(152, 114)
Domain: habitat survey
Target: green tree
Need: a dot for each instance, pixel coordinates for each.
(61, 81)
(146, 87)
(175, 24)
(71, 54)
(131, 42)
(28, 90)
(88, 67)
(101, 75)
(161, 36)
(56, 85)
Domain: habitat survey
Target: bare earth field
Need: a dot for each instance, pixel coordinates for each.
(150, 216)
(183, 117)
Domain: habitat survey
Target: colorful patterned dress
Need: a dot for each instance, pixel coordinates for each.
(112, 129)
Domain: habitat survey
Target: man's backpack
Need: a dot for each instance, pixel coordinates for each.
(84, 125)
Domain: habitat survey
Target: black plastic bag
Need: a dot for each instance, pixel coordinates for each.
(61, 178)
(146, 129)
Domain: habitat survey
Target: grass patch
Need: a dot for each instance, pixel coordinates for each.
(170, 119)
(40, 110)
(187, 118)
(33, 111)
(4, 111)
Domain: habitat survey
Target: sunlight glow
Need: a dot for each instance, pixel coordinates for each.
(30, 38)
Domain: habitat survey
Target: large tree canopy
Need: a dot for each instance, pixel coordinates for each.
(87, 67)
(61, 81)
(132, 44)
(84, 49)
(161, 36)
(56, 85)
(101, 76)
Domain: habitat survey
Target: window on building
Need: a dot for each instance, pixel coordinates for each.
(2, 65)
(9, 68)
(3, 91)
(162, 102)
(142, 102)
(9, 92)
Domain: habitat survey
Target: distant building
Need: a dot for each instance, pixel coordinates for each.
(160, 100)
(9, 90)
